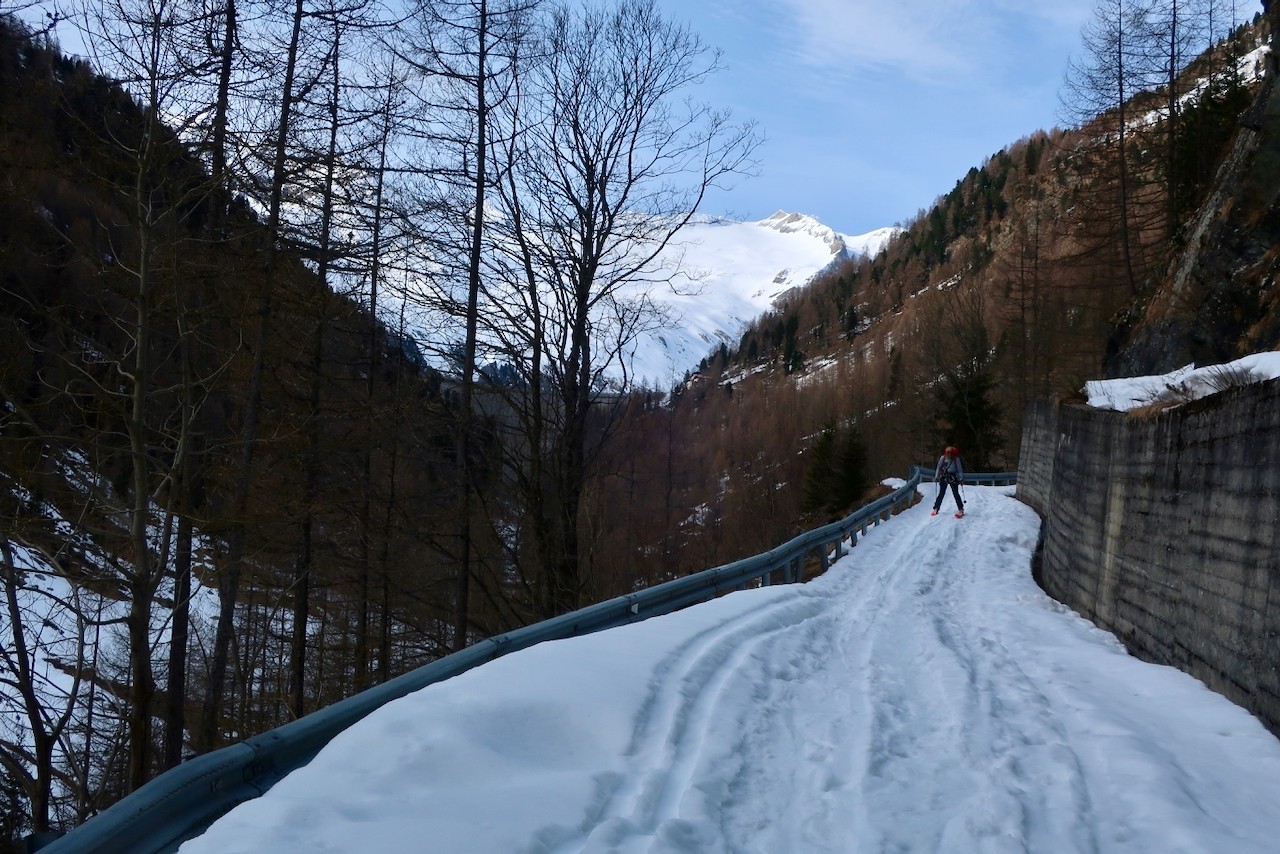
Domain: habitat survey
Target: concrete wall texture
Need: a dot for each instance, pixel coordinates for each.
(1165, 530)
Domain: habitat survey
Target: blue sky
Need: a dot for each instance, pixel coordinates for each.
(871, 109)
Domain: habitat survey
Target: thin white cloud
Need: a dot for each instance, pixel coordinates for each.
(851, 35)
(947, 42)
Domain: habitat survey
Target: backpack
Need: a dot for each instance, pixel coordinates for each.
(949, 476)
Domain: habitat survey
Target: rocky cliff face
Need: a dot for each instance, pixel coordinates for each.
(1220, 298)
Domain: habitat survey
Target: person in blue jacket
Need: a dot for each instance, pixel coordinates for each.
(949, 471)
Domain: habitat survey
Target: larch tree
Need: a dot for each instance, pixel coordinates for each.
(1099, 86)
(276, 175)
(147, 46)
(470, 54)
(29, 758)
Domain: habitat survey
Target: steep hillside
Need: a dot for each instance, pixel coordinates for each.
(186, 406)
(1219, 299)
(1059, 259)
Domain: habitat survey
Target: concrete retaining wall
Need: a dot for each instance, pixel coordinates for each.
(1166, 531)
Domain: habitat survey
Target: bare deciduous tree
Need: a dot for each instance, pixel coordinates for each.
(606, 164)
(1099, 84)
(145, 44)
(29, 758)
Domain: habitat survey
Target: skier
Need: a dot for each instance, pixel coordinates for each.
(949, 471)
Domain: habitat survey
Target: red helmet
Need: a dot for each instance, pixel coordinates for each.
(952, 450)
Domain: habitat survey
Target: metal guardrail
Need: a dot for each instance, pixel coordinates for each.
(181, 803)
(995, 478)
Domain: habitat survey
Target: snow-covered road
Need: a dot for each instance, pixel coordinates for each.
(923, 695)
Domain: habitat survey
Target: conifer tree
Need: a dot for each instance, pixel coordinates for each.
(819, 477)
(837, 470)
(852, 467)
(1099, 87)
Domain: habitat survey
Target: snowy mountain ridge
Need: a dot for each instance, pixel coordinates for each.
(729, 273)
(841, 244)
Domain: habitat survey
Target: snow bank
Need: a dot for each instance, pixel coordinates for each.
(1181, 386)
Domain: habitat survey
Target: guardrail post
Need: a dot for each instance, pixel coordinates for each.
(36, 841)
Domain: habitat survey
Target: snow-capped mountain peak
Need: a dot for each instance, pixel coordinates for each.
(794, 223)
(731, 273)
(842, 245)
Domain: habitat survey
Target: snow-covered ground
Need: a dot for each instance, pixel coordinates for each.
(922, 695)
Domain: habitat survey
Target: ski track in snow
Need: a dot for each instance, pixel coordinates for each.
(676, 722)
(947, 708)
(932, 696)
(924, 695)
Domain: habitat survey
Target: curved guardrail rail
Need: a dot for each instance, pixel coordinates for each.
(181, 803)
(995, 478)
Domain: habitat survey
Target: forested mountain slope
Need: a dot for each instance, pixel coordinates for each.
(233, 492)
(1141, 238)
(162, 430)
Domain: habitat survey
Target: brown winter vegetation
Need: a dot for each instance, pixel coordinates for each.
(201, 394)
(1047, 265)
(125, 370)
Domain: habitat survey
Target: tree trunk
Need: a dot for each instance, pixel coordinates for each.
(229, 576)
(176, 700)
(39, 786)
(463, 588)
(218, 157)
